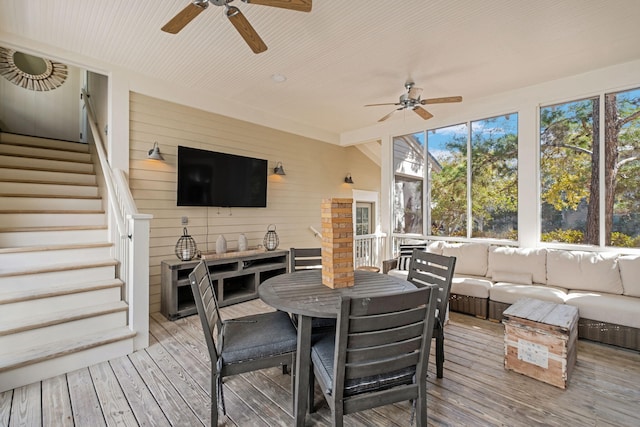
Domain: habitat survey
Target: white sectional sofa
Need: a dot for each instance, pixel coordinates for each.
(604, 287)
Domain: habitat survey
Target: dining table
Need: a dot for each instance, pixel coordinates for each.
(303, 293)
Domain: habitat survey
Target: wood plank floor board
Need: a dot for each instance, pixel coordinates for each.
(5, 407)
(172, 378)
(172, 405)
(56, 402)
(115, 407)
(26, 409)
(142, 403)
(84, 400)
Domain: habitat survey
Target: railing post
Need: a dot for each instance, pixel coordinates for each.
(138, 278)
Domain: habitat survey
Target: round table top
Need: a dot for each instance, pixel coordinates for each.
(303, 293)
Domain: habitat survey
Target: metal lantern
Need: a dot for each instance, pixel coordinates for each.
(186, 248)
(271, 240)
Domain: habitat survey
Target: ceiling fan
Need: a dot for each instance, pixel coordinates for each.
(411, 100)
(236, 17)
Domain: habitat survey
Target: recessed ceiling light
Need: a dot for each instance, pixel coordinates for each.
(278, 78)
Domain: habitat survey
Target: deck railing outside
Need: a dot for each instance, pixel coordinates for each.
(369, 249)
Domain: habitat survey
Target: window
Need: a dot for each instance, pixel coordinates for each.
(569, 174)
(494, 177)
(363, 218)
(447, 165)
(408, 189)
(622, 169)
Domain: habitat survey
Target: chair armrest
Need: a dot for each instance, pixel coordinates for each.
(389, 264)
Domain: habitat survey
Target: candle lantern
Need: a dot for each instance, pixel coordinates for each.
(271, 240)
(186, 248)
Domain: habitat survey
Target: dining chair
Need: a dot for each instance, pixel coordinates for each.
(379, 354)
(242, 344)
(305, 259)
(427, 268)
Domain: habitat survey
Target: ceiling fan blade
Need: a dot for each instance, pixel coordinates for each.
(443, 100)
(387, 103)
(183, 17)
(299, 5)
(389, 115)
(422, 112)
(415, 92)
(246, 30)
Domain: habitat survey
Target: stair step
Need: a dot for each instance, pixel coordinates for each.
(23, 295)
(46, 177)
(44, 202)
(28, 218)
(14, 237)
(38, 353)
(23, 189)
(37, 321)
(38, 278)
(27, 163)
(47, 255)
(35, 141)
(44, 153)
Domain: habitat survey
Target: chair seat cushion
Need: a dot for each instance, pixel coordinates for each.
(322, 354)
(258, 336)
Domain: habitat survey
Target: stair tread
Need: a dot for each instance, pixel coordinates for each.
(49, 196)
(60, 247)
(46, 182)
(38, 354)
(52, 211)
(33, 294)
(35, 321)
(52, 228)
(28, 141)
(17, 167)
(22, 271)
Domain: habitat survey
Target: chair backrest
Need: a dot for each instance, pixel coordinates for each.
(207, 305)
(427, 268)
(382, 347)
(305, 258)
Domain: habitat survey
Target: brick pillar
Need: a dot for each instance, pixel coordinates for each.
(337, 243)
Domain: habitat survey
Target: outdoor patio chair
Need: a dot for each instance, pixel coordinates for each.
(427, 268)
(379, 354)
(239, 345)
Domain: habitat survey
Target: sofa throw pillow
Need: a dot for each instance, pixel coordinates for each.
(406, 250)
(404, 262)
(629, 266)
(512, 277)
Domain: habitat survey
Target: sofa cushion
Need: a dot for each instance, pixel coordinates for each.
(509, 293)
(520, 260)
(401, 274)
(629, 266)
(603, 307)
(404, 261)
(471, 287)
(471, 258)
(512, 277)
(584, 271)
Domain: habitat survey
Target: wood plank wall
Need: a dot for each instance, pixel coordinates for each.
(315, 170)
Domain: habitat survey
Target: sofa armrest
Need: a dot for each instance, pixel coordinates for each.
(389, 264)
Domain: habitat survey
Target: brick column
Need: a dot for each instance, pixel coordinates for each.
(337, 243)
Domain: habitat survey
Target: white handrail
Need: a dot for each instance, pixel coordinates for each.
(106, 168)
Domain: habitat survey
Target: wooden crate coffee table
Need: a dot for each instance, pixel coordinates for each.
(540, 340)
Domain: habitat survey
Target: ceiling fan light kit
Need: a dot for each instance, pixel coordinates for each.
(235, 16)
(411, 100)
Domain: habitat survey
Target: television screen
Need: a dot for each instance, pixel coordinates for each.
(209, 178)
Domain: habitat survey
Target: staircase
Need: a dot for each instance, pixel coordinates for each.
(61, 305)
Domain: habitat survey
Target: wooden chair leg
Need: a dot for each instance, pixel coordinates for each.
(311, 391)
(440, 354)
(214, 400)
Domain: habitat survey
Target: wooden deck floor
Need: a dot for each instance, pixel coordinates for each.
(167, 384)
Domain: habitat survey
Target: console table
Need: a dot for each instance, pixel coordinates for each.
(235, 279)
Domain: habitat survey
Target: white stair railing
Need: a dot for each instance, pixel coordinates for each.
(132, 245)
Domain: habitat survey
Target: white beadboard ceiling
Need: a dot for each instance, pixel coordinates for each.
(343, 54)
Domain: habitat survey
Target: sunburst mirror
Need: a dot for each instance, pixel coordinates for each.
(31, 72)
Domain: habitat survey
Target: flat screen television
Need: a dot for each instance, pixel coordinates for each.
(209, 178)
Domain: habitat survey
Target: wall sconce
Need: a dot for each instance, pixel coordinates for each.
(348, 179)
(154, 153)
(279, 169)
